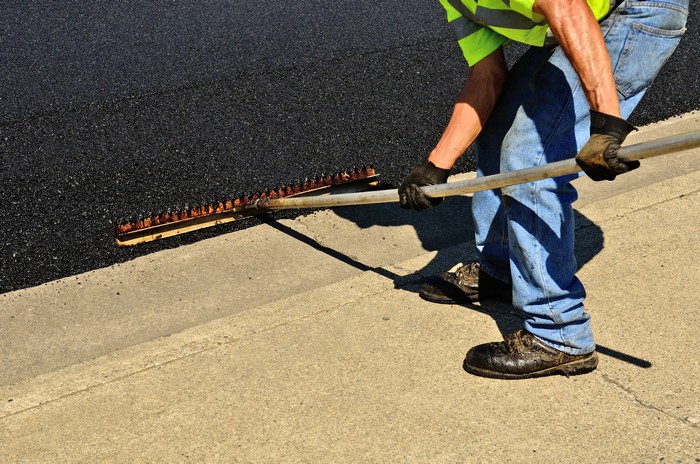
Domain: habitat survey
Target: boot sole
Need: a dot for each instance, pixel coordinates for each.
(576, 367)
(466, 299)
(447, 300)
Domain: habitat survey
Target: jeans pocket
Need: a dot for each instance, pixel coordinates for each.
(645, 51)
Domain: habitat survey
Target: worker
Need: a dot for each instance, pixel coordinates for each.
(589, 64)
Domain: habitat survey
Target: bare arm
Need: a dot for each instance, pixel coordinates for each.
(579, 35)
(473, 107)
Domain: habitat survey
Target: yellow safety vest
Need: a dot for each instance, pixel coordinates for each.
(484, 25)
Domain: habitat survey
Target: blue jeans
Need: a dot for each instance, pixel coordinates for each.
(525, 233)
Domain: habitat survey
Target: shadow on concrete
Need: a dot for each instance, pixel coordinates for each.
(448, 230)
(439, 229)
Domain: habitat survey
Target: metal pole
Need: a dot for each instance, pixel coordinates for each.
(634, 152)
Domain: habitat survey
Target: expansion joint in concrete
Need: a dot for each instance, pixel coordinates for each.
(202, 345)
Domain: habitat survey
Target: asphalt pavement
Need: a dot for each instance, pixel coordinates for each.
(114, 109)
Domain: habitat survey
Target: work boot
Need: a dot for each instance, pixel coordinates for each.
(466, 285)
(521, 356)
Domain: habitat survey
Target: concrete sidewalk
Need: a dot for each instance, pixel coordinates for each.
(305, 341)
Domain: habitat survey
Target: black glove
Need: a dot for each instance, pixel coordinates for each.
(598, 158)
(411, 196)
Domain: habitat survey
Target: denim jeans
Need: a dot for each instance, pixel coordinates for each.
(525, 233)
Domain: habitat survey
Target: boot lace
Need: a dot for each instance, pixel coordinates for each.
(468, 272)
(517, 340)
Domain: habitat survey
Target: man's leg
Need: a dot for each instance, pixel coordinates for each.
(541, 117)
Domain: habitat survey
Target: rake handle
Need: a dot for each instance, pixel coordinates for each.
(634, 152)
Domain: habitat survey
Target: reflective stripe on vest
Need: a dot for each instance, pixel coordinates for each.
(463, 27)
(495, 18)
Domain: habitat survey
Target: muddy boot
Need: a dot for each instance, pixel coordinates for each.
(521, 356)
(466, 285)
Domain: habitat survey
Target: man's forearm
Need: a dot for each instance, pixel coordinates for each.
(473, 107)
(579, 35)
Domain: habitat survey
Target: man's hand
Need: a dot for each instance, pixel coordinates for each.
(598, 158)
(410, 194)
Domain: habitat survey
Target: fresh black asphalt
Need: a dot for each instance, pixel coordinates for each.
(109, 109)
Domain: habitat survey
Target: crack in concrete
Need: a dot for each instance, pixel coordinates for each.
(631, 394)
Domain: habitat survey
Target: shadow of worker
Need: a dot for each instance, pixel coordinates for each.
(448, 230)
